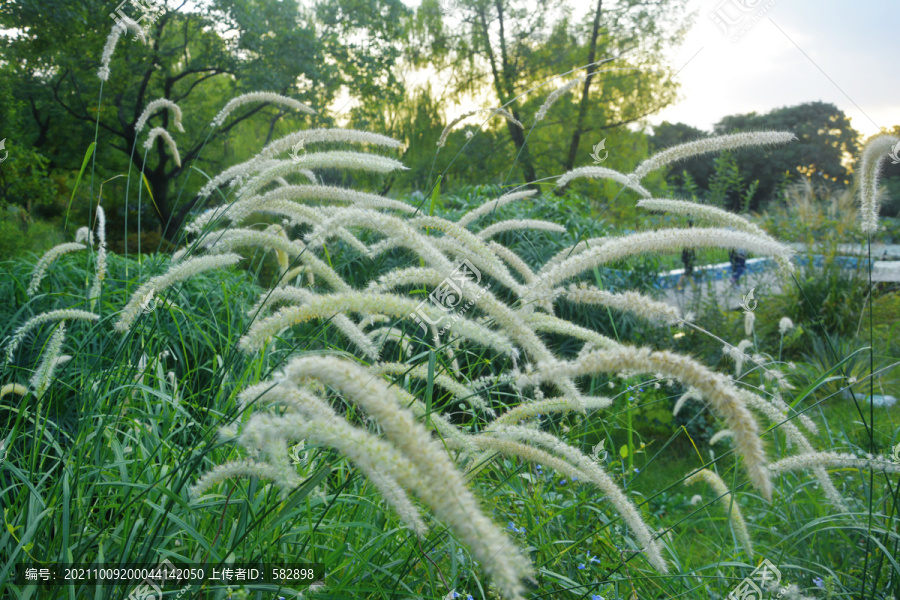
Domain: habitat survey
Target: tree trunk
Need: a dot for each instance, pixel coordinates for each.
(504, 86)
(583, 106)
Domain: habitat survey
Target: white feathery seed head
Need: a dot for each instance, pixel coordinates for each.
(84, 235)
(732, 507)
(595, 172)
(517, 224)
(723, 397)
(255, 97)
(316, 136)
(124, 25)
(169, 141)
(67, 314)
(785, 325)
(632, 302)
(48, 257)
(50, 359)
(439, 483)
(874, 153)
(661, 240)
(835, 460)
(100, 271)
(598, 477)
(494, 111)
(749, 320)
(155, 105)
(322, 160)
(553, 97)
(13, 388)
(713, 144)
(710, 214)
(722, 434)
(493, 205)
(177, 272)
(691, 394)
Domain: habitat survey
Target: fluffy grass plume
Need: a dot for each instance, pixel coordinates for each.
(255, 97)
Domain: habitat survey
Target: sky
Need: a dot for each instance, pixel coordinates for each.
(843, 52)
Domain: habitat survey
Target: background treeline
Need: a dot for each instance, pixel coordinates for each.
(369, 64)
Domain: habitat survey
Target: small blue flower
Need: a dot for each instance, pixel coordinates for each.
(581, 566)
(597, 597)
(574, 479)
(636, 470)
(820, 583)
(562, 482)
(469, 597)
(511, 526)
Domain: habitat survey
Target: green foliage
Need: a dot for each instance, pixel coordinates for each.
(726, 186)
(21, 234)
(825, 139)
(98, 468)
(829, 297)
(24, 179)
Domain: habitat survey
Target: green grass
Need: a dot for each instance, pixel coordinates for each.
(99, 468)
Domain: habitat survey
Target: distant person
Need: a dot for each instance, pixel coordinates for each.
(738, 258)
(688, 257)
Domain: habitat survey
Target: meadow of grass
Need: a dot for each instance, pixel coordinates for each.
(543, 455)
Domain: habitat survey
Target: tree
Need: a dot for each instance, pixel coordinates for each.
(826, 143)
(696, 170)
(824, 150)
(505, 48)
(198, 55)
